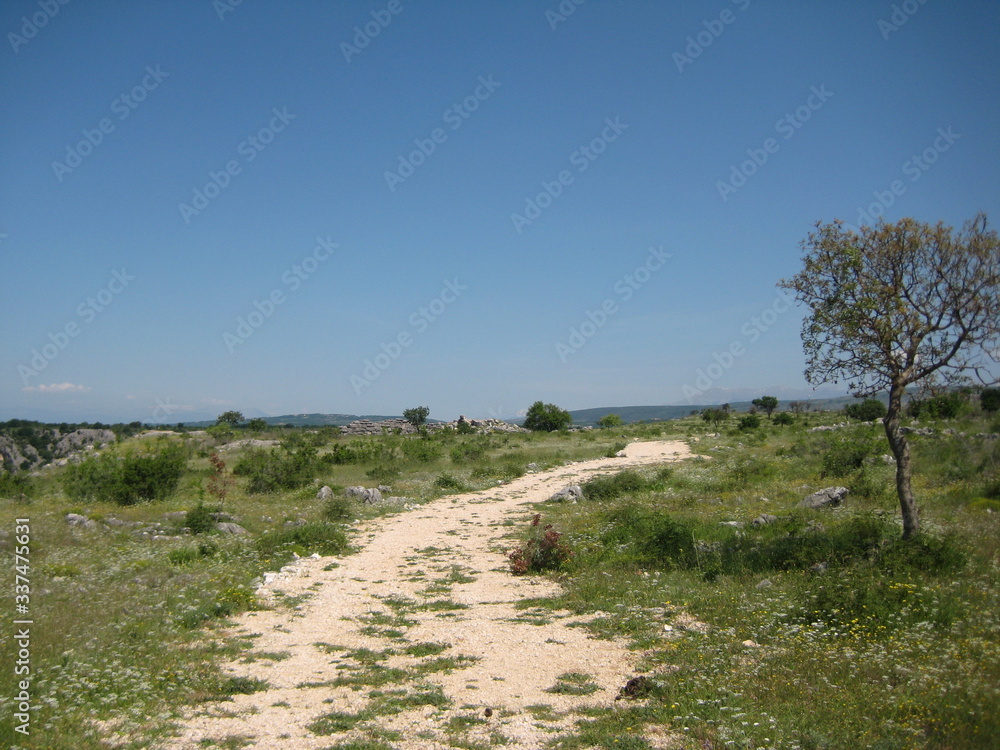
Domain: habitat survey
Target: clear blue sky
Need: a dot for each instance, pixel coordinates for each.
(129, 289)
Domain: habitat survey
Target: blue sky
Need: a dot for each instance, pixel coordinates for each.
(358, 207)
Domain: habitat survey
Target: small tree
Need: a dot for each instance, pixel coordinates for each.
(417, 415)
(610, 420)
(783, 418)
(866, 411)
(547, 418)
(231, 418)
(897, 304)
(767, 404)
(257, 425)
(715, 416)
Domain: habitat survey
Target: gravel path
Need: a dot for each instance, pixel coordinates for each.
(433, 579)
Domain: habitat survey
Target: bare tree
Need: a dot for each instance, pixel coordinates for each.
(898, 304)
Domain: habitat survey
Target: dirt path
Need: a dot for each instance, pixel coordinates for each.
(418, 634)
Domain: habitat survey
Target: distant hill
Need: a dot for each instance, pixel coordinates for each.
(585, 417)
(307, 420)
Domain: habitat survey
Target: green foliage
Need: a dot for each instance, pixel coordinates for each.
(269, 470)
(749, 422)
(422, 450)
(612, 486)
(609, 421)
(383, 473)
(231, 418)
(543, 550)
(257, 425)
(784, 419)
(324, 538)
(848, 452)
(943, 406)
(868, 410)
(128, 478)
(547, 418)
(989, 399)
(15, 485)
(417, 415)
(338, 509)
(448, 482)
(199, 519)
(766, 403)
(715, 416)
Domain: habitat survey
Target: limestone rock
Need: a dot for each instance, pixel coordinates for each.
(829, 497)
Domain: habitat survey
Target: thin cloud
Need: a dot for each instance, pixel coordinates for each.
(57, 388)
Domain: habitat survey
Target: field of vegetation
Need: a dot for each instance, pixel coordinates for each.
(809, 629)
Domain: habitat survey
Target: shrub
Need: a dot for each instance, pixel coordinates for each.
(199, 519)
(15, 485)
(422, 450)
(615, 448)
(275, 469)
(784, 418)
(989, 399)
(382, 473)
(448, 482)
(867, 411)
(338, 509)
(544, 550)
(127, 479)
(848, 453)
(609, 421)
(943, 406)
(749, 422)
(614, 485)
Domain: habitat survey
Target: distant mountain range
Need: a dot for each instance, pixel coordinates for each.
(581, 417)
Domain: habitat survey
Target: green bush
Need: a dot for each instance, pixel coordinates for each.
(129, 478)
(868, 410)
(944, 406)
(422, 450)
(614, 485)
(784, 418)
(547, 418)
(448, 482)
(749, 422)
(989, 399)
(849, 452)
(15, 485)
(338, 509)
(383, 473)
(199, 519)
(277, 469)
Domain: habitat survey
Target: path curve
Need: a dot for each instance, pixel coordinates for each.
(433, 575)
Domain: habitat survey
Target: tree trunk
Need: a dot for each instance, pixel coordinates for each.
(901, 451)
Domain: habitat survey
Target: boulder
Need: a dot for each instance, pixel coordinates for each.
(570, 494)
(75, 519)
(227, 527)
(369, 495)
(324, 494)
(829, 497)
(764, 519)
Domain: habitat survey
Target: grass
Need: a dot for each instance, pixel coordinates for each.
(888, 645)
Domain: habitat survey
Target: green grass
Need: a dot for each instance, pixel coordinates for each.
(883, 645)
